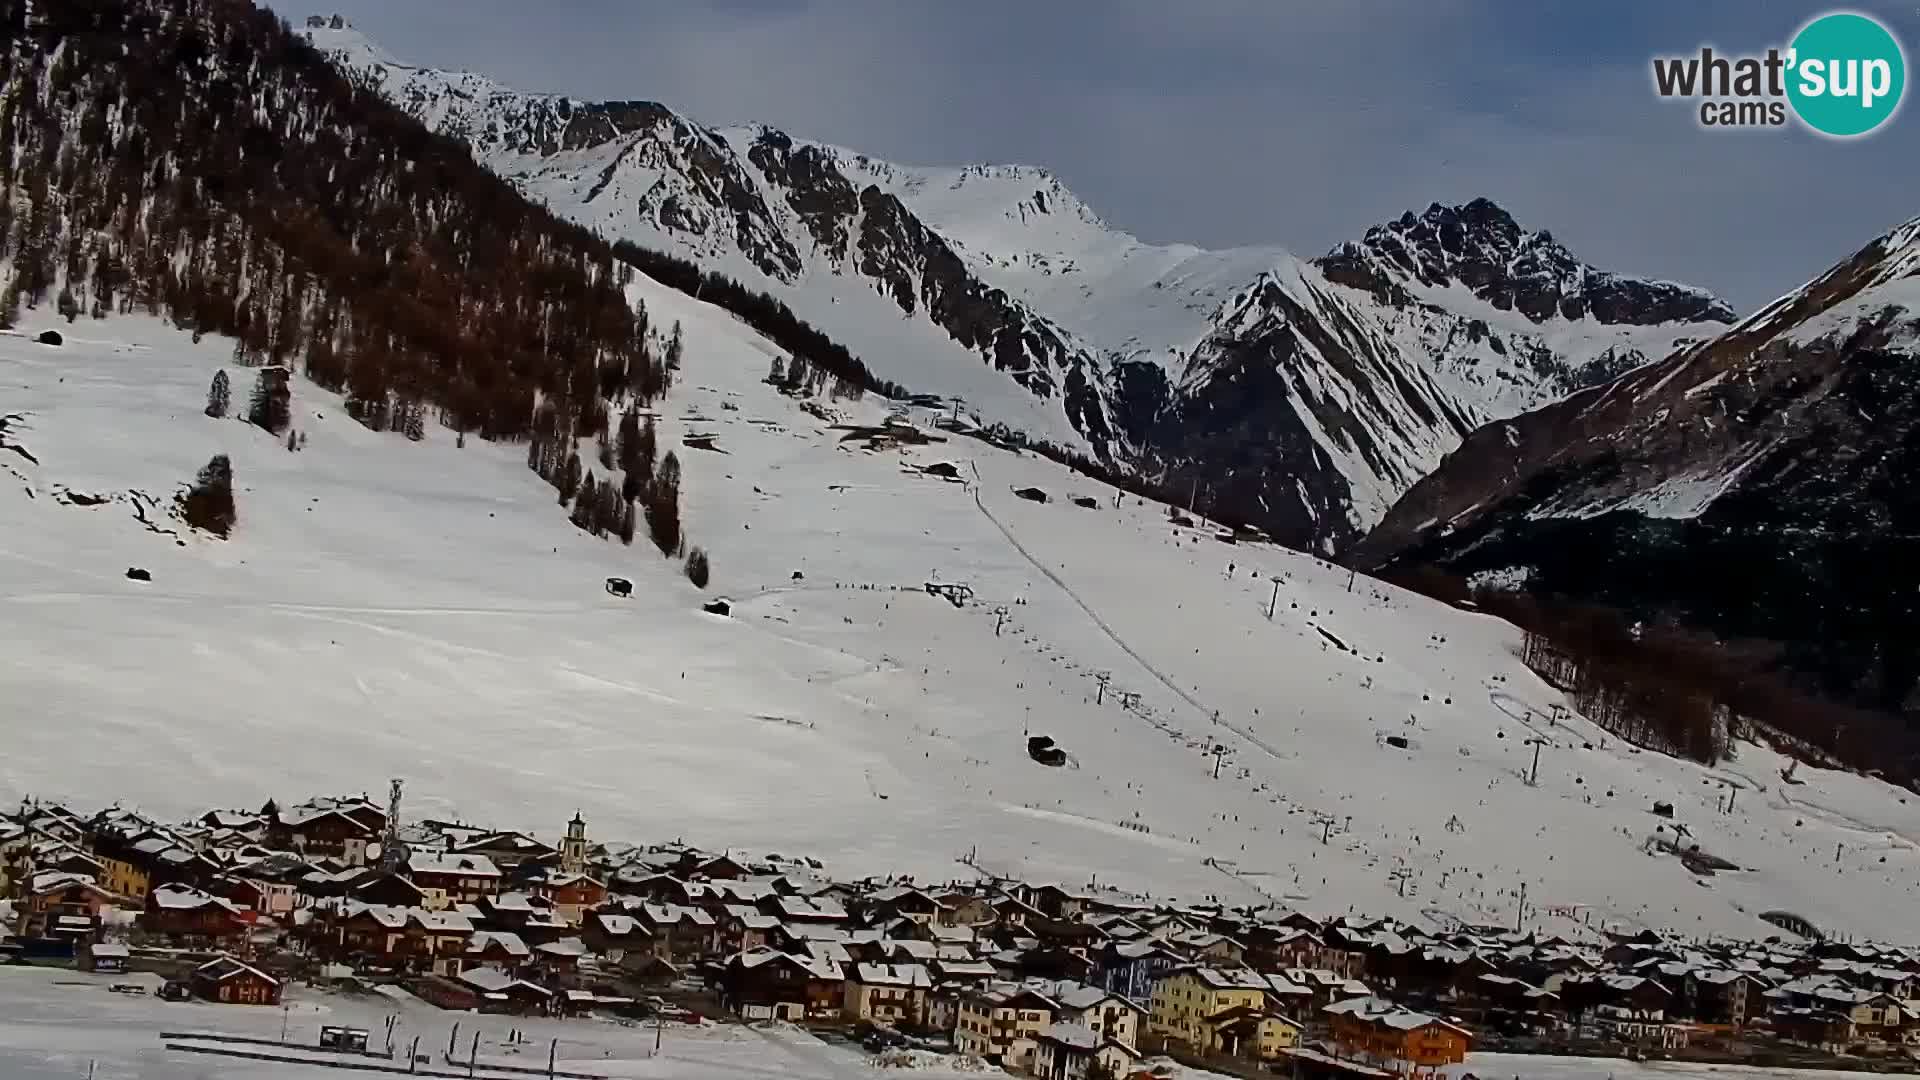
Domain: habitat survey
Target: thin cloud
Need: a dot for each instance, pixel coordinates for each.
(1234, 122)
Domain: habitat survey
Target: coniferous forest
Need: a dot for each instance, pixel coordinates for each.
(199, 161)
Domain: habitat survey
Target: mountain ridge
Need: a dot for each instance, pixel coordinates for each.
(1753, 485)
(997, 287)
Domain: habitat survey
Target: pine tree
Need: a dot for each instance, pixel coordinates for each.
(674, 348)
(589, 494)
(569, 484)
(699, 571)
(293, 440)
(644, 452)
(627, 439)
(208, 504)
(272, 404)
(663, 506)
(219, 395)
(627, 514)
(416, 421)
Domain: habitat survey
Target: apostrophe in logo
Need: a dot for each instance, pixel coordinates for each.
(1843, 75)
(1847, 74)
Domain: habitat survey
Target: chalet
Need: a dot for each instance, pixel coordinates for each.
(959, 908)
(325, 832)
(435, 941)
(1252, 1033)
(743, 928)
(517, 911)
(447, 879)
(1627, 997)
(771, 984)
(380, 887)
(1821, 1029)
(1276, 948)
(1720, 996)
(506, 850)
(558, 962)
(497, 949)
(186, 915)
(905, 902)
(1003, 1022)
(60, 906)
(234, 982)
(680, 935)
(890, 994)
(801, 909)
(1012, 913)
(1067, 1051)
(711, 867)
(1396, 1039)
(572, 895)
(499, 992)
(269, 898)
(371, 932)
(613, 934)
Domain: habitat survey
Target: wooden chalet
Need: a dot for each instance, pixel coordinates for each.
(234, 982)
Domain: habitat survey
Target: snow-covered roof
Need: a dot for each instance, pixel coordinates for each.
(565, 947)
(909, 975)
(1078, 1036)
(1226, 979)
(222, 968)
(1381, 1011)
(174, 897)
(488, 981)
(440, 922)
(484, 940)
(448, 863)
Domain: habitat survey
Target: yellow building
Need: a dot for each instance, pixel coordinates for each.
(129, 879)
(1188, 997)
(1251, 1033)
(887, 993)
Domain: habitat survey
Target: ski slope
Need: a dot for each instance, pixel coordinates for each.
(387, 608)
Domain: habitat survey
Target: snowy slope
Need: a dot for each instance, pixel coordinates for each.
(386, 608)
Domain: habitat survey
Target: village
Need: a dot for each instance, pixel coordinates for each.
(1042, 979)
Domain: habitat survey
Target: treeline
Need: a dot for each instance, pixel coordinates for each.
(196, 159)
(1670, 688)
(768, 316)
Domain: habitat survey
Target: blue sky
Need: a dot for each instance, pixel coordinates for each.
(1227, 122)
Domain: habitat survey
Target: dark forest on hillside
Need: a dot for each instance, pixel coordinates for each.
(195, 159)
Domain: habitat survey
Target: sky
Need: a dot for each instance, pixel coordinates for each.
(1241, 122)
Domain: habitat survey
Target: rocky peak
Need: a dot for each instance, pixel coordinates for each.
(1479, 245)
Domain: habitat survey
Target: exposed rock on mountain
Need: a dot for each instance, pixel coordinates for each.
(1758, 484)
(1303, 397)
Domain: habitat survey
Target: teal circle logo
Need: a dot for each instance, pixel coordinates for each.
(1846, 74)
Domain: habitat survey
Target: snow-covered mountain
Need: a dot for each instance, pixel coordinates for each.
(421, 609)
(1758, 484)
(1303, 397)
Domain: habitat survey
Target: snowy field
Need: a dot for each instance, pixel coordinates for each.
(392, 609)
(53, 1024)
(1530, 1067)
